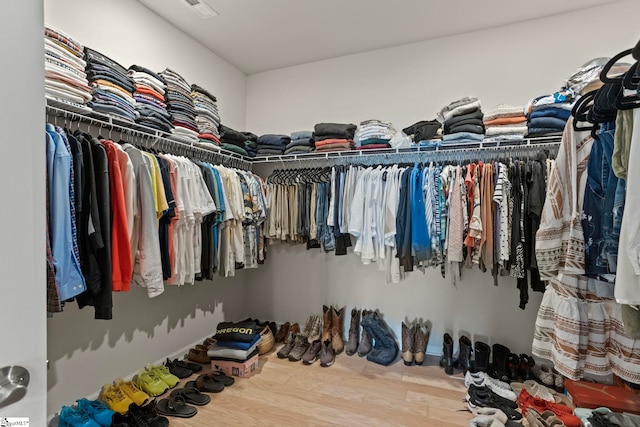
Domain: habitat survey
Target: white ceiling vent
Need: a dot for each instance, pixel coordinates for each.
(201, 8)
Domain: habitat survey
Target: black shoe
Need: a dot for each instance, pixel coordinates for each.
(147, 416)
(178, 371)
(484, 397)
(526, 367)
(193, 367)
(446, 361)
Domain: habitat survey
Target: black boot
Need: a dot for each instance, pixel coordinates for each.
(447, 354)
(464, 355)
(513, 365)
(481, 353)
(499, 365)
(526, 367)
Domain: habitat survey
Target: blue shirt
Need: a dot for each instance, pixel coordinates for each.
(68, 274)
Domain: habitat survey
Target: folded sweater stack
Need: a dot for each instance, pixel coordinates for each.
(505, 123)
(180, 106)
(208, 118)
(374, 134)
(548, 114)
(232, 140)
(111, 86)
(462, 121)
(301, 142)
(149, 92)
(424, 132)
(65, 83)
(334, 137)
(251, 143)
(236, 341)
(270, 144)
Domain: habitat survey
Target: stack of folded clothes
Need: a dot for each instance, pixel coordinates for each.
(334, 137)
(462, 121)
(65, 83)
(426, 133)
(271, 144)
(251, 143)
(149, 95)
(180, 106)
(301, 142)
(374, 134)
(505, 123)
(111, 86)
(548, 114)
(208, 118)
(232, 140)
(235, 341)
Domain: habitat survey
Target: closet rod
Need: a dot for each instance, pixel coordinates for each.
(149, 137)
(516, 148)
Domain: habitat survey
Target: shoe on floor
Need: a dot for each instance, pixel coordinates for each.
(97, 410)
(150, 383)
(562, 412)
(300, 346)
(147, 416)
(117, 400)
(283, 353)
(71, 417)
(177, 370)
(199, 355)
(312, 353)
(484, 397)
(485, 421)
(164, 374)
(283, 332)
(327, 354)
(132, 391)
(480, 379)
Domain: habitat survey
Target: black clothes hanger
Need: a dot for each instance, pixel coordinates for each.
(580, 111)
(605, 71)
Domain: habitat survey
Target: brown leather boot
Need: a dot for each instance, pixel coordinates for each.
(337, 334)
(283, 332)
(420, 340)
(326, 322)
(354, 333)
(408, 334)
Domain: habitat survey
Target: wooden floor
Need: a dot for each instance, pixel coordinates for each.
(352, 392)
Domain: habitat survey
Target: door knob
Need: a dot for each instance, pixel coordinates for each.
(13, 384)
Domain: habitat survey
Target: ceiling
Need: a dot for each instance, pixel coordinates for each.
(261, 35)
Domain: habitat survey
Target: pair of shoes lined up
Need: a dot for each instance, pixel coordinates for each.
(549, 377)
(155, 380)
(414, 342)
(376, 341)
(486, 392)
(541, 412)
(307, 344)
(198, 354)
(491, 417)
(505, 365)
(86, 413)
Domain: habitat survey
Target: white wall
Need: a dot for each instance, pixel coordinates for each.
(86, 353)
(22, 221)
(405, 84)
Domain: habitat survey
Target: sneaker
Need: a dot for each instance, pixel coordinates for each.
(562, 412)
(147, 416)
(300, 346)
(327, 355)
(535, 390)
(97, 410)
(177, 370)
(544, 375)
(484, 397)
(164, 374)
(70, 417)
(150, 383)
(312, 353)
(115, 398)
(480, 379)
(134, 393)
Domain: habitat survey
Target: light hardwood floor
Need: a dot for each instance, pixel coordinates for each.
(352, 392)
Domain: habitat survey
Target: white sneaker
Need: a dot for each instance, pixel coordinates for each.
(500, 388)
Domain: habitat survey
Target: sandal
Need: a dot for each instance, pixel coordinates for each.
(192, 395)
(221, 377)
(175, 406)
(206, 384)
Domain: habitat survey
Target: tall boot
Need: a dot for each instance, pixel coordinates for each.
(364, 347)
(385, 349)
(464, 354)
(326, 323)
(420, 340)
(354, 333)
(408, 334)
(481, 354)
(447, 354)
(337, 327)
(499, 365)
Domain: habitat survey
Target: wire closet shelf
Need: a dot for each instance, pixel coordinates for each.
(146, 137)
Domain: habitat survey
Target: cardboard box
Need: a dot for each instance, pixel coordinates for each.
(593, 395)
(237, 369)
